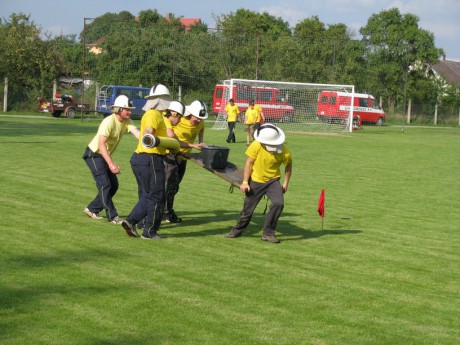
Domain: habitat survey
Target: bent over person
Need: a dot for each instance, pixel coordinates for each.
(262, 177)
(98, 157)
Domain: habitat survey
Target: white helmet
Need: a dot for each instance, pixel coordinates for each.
(271, 136)
(177, 106)
(158, 90)
(198, 109)
(122, 101)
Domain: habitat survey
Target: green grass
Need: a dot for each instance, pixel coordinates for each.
(383, 270)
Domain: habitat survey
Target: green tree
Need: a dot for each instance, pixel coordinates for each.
(247, 37)
(102, 26)
(149, 17)
(327, 54)
(71, 51)
(309, 64)
(394, 42)
(30, 63)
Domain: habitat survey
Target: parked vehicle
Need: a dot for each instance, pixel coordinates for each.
(334, 107)
(62, 104)
(272, 100)
(107, 94)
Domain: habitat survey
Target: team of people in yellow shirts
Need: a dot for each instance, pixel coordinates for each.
(158, 172)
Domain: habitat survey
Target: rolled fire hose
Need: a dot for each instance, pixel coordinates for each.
(150, 141)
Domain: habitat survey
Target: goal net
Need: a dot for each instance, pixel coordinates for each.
(293, 106)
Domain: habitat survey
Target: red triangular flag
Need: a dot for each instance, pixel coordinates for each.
(321, 204)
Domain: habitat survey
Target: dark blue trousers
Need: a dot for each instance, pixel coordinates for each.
(231, 132)
(175, 170)
(149, 170)
(106, 183)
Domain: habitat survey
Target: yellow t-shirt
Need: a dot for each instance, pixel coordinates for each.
(258, 108)
(155, 119)
(187, 132)
(250, 116)
(267, 164)
(168, 123)
(232, 112)
(113, 130)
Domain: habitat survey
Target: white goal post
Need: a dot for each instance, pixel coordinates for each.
(304, 107)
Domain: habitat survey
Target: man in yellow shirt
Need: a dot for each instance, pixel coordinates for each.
(148, 168)
(186, 129)
(262, 177)
(250, 117)
(233, 113)
(260, 118)
(98, 157)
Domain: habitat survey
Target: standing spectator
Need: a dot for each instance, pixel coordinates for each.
(249, 120)
(233, 113)
(186, 130)
(98, 157)
(149, 169)
(262, 177)
(260, 118)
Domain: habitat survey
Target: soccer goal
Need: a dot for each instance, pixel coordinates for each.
(293, 106)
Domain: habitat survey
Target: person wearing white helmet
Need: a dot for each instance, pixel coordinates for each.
(148, 168)
(186, 129)
(158, 98)
(98, 157)
(262, 177)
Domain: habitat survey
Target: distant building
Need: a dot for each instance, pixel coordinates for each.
(187, 22)
(448, 70)
(94, 47)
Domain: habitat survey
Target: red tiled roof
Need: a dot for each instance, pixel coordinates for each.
(187, 22)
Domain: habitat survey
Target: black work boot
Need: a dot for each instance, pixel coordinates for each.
(172, 218)
(234, 233)
(270, 237)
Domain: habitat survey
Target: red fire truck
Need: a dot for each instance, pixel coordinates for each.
(272, 100)
(334, 107)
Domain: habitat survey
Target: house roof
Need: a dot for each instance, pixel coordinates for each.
(449, 71)
(187, 22)
(97, 42)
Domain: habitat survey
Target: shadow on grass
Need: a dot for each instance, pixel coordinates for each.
(286, 230)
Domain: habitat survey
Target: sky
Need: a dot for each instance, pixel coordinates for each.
(63, 17)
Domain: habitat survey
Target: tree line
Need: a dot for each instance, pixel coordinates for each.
(391, 59)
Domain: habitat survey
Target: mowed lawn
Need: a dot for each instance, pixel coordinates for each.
(382, 269)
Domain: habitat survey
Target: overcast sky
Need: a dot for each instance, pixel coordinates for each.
(441, 17)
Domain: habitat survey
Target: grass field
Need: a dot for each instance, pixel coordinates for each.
(383, 270)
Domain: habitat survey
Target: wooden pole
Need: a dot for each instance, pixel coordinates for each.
(436, 112)
(409, 109)
(5, 95)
